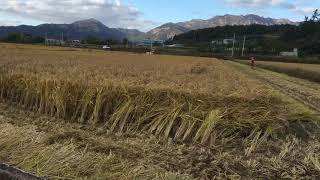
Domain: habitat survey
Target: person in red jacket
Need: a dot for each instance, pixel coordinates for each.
(253, 63)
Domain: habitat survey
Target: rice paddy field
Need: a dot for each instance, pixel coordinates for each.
(86, 114)
(306, 71)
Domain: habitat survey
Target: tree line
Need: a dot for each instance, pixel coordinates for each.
(17, 37)
(25, 38)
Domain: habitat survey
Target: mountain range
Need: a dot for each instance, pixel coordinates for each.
(168, 30)
(77, 30)
(92, 27)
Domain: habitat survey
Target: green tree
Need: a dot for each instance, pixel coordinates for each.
(93, 40)
(17, 37)
(14, 37)
(125, 41)
(315, 16)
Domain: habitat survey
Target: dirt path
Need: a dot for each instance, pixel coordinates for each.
(306, 92)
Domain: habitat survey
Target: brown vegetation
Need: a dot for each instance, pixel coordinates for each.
(59, 150)
(127, 92)
(306, 71)
(180, 99)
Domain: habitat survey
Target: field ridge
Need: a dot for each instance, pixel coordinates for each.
(298, 89)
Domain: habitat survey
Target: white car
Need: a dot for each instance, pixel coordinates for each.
(106, 47)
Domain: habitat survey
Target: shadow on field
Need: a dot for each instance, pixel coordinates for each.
(10, 173)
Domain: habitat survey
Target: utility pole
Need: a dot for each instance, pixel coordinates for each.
(234, 39)
(212, 47)
(62, 38)
(21, 37)
(151, 43)
(46, 37)
(243, 46)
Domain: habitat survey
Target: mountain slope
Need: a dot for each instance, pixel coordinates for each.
(91, 27)
(132, 34)
(168, 30)
(77, 30)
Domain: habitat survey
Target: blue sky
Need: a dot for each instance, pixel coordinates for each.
(181, 10)
(145, 14)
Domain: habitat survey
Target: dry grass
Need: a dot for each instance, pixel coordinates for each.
(306, 71)
(69, 153)
(180, 99)
(50, 147)
(128, 92)
(304, 91)
(97, 67)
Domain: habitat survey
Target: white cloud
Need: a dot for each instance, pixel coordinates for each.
(8, 22)
(285, 4)
(111, 12)
(118, 3)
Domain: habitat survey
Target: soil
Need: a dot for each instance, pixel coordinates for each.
(11, 173)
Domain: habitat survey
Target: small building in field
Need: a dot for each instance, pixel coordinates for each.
(290, 54)
(222, 42)
(149, 42)
(73, 43)
(228, 41)
(217, 42)
(54, 42)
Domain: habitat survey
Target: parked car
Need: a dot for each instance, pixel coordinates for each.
(106, 47)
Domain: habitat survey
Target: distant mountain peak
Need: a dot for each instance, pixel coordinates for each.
(168, 24)
(91, 20)
(168, 30)
(89, 25)
(252, 15)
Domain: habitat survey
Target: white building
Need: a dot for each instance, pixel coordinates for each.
(148, 42)
(217, 42)
(290, 54)
(227, 41)
(175, 46)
